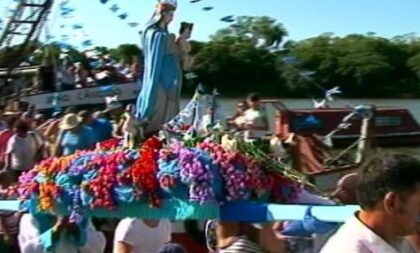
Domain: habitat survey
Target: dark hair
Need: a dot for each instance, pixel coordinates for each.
(84, 114)
(21, 126)
(185, 26)
(172, 248)
(384, 173)
(254, 97)
(11, 120)
(70, 109)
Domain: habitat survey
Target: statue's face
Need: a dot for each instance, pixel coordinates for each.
(168, 17)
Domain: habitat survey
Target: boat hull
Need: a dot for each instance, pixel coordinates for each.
(382, 140)
(389, 126)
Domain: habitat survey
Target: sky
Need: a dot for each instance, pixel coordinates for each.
(302, 18)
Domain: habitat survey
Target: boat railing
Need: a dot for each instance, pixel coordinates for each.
(276, 103)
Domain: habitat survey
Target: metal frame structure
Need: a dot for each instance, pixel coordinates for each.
(23, 28)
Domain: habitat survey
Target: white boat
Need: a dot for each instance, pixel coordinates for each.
(89, 96)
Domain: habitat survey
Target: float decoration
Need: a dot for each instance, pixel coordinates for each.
(156, 181)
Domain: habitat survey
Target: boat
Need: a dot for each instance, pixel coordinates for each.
(312, 133)
(84, 97)
(388, 126)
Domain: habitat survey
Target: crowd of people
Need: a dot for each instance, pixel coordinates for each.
(387, 187)
(102, 70)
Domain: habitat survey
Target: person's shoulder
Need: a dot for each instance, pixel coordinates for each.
(12, 139)
(127, 226)
(346, 239)
(128, 223)
(87, 129)
(102, 121)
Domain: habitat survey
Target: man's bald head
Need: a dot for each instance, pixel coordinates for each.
(345, 191)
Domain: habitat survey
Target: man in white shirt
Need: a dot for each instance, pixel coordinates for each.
(388, 191)
(21, 149)
(141, 236)
(256, 121)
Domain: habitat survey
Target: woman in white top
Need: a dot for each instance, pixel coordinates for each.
(40, 233)
(141, 236)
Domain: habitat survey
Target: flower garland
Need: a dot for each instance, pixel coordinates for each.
(237, 182)
(111, 175)
(110, 144)
(48, 193)
(143, 172)
(183, 166)
(197, 175)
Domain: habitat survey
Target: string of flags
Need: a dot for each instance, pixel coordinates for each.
(123, 15)
(67, 16)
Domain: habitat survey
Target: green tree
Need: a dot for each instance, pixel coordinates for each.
(126, 52)
(262, 31)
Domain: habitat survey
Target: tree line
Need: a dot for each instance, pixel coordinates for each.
(253, 54)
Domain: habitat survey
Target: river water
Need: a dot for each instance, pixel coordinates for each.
(413, 105)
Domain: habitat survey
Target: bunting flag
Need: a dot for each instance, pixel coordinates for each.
(114, 8)
(329, 94)
(77, 26)
(228, 19)
(290, 60)
(123, 16)
(306, 74)
(66, 13)
(133, 24)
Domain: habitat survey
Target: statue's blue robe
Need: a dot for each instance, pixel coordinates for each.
(158, 100)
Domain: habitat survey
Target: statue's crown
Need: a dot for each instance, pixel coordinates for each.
(166, 5)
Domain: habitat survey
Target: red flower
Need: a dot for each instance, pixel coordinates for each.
(143, 172)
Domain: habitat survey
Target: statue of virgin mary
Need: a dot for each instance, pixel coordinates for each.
(159, 98)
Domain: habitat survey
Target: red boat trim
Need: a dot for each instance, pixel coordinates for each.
(376, 135)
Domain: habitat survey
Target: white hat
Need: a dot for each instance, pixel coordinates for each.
(70, 121)
(10, 113)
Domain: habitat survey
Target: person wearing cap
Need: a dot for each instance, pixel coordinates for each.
(74, 136)
(388, 192)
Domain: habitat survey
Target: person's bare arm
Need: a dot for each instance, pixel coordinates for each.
(3, 228)
(7, 161)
